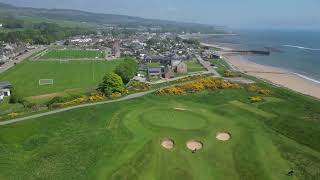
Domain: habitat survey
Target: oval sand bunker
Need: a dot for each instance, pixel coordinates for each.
(194, 145)
(167, 143)
(223, 136)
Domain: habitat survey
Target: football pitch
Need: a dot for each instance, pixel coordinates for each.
(72, 54)
(73, 74)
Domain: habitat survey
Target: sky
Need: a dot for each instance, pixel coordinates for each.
(275, 14)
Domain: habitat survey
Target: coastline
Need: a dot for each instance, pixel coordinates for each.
(274, 75)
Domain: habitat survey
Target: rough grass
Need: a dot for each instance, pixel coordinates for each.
(122, 140)
(74, 74)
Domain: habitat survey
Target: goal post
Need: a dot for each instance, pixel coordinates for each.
(45, 82)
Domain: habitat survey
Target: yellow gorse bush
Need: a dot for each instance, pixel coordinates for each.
(256, 89)
(13, 114)
(256, 99)
(198, 85)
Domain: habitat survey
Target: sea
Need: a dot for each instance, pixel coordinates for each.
(295, 50)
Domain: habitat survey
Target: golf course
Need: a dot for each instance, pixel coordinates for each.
(206, 135)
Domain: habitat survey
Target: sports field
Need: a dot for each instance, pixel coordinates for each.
(68, 75)
(72, 54)
(124, 140)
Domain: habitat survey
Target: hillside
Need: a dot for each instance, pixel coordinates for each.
(101, 19)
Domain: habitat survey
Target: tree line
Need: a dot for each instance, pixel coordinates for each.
(43, 33)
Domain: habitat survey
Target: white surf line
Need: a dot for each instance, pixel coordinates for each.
(301, 47)
(307, 78)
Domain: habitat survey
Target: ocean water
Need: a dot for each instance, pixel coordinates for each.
(296, 51)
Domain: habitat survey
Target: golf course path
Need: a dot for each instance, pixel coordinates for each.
(131, 96)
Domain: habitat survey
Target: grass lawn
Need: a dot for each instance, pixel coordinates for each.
(74, 74)
(221, 65)
(72, 54)
(194, 66)
(122, 140)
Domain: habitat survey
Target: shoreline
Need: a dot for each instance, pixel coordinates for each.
(274, 75)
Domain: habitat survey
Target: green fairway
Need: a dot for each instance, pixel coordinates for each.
(72, 54)
(73, 74)
(122, 140)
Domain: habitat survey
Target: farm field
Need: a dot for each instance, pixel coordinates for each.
(123, 140)
(72, 54)
(73, 74)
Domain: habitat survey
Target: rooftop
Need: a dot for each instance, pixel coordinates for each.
(5, 84)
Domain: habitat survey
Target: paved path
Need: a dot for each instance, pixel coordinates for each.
(181, 77)
(208, 66)
(20, 58)
(132, 96)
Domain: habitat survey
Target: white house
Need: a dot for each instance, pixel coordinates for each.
(4, 93)
(1, 96)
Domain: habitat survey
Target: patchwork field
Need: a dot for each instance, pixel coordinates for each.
(146, 139)
(72, 54)
(71, 75)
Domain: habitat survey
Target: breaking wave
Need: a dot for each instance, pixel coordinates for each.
(301, 47)
(307, 78)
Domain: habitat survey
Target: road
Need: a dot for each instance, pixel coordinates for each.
(22, 57)
(181, 77)
(132, 96)
(208, 66)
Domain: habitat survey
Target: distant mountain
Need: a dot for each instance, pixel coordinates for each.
(101, 19)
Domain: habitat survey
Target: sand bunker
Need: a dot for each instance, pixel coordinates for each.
(223, 136)
(167, 143)
(179, 109)
(194, 145)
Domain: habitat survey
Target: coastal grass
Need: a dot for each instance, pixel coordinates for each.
(122, 140)
(72, 75)
(221, 65)
(72, 54)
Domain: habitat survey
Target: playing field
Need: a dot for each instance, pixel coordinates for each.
(123, 140)
(72, 54)
(73, 74)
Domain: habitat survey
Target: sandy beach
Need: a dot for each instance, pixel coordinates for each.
(274, 75)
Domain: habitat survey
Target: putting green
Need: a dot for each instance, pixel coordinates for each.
(170, 118)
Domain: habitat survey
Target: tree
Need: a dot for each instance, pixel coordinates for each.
(127, 69)
(15, 97)
(112, 83)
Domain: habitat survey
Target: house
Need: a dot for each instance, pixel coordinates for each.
(181, 68)
(4, 89)
(5, 85)
(116, 49)
(155, 71)
(5, 92)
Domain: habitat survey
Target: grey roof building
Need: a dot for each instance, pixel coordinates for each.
(5, 84)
